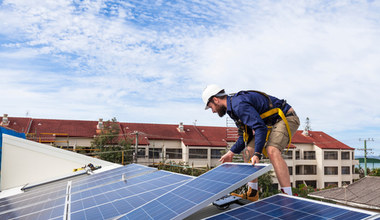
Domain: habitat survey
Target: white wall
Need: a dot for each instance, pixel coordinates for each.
(28, 162)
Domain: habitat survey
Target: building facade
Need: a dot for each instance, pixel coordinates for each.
(314, 158)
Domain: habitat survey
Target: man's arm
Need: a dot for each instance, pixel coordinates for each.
(235, 149)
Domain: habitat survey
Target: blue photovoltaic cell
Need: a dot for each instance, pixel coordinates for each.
(123, 197)
(49, 200)
(53, 191)
(199, 192)
(288, 207)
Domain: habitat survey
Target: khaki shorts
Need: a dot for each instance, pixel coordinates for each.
(279, 137)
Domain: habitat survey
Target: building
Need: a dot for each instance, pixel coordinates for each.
(364, 193)
(320, 160)
(314, 158)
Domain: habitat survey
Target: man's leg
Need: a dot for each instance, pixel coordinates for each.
(280, 168)
(252, 194)
(277, 143)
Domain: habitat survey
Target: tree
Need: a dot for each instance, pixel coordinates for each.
(112, 147)
(266, 185)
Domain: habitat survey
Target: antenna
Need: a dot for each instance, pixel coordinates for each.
(365, 152)
(307, 127)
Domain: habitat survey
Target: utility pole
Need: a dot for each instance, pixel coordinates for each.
(365, 152)
(136, 145)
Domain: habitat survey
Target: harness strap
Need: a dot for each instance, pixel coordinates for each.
(283, 117)
(267, 114)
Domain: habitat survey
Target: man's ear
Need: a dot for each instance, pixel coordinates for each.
(215, 100)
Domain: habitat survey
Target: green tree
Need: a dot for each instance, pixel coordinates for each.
(266, 185)
(112, 146)
(375, 172)
(303, 190)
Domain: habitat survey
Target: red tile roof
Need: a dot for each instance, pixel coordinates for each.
(191, 135)
(320, 139)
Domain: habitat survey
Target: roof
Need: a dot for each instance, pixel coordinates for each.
(363, 193)
(320, 139)
(191, 135)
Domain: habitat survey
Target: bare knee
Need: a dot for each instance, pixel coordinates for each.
(273, 152)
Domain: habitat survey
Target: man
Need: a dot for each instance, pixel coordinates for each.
(252, 112)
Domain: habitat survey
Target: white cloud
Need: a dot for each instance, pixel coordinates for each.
(149, 62)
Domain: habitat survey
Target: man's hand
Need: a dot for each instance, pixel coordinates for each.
(227, 157)
(255, 159)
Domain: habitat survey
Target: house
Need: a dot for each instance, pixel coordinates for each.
(364, 193)
(319, 160)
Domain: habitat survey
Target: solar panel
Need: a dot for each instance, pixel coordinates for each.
(282, 206)
(123, 197)
(51, 199)
(199, 192)
(102, 201)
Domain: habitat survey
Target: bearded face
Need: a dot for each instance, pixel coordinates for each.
(221, 110)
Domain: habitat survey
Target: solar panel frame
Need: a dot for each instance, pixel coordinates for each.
(260, 209)
(140, 212)
(27, 202)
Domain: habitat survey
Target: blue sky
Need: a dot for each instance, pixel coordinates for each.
(148, 61)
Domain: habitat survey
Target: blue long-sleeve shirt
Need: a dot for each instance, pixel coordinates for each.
(247, 106)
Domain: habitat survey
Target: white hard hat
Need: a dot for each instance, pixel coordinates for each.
(210, 91)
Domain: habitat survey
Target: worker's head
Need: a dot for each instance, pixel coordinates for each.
(214, 97)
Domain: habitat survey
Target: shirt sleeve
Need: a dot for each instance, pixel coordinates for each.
(238, 146)
(250, 117)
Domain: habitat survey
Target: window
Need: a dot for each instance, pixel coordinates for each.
(298, 170)
(331, 170)
(310, 170)
(174, 153)
(216, 153)
(331, 155)
(345, 155)
(346, 170)
(198, 153)
(331, 184)
(154, 153)
(309, 155)
(274, 186)
(141, 152)
(312, 183)
(297, 155)
(290, 170)
(306, 170)
(288, 155)
(346, 183)
(298, 183)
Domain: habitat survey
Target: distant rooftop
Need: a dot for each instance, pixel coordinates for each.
(364, 193)
(193, 135)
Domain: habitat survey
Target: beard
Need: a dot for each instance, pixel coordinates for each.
(221, 110)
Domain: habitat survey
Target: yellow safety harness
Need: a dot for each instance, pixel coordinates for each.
(265, 115)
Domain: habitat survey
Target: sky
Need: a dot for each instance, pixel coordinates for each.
(149, 61)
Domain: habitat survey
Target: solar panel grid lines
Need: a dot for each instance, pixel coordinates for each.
(27, 202)
(51, 187)
(120, 206)
(282, 206)
(49, 190)
(97, 202)
(110, 180)
(51, 201)
(199, 192)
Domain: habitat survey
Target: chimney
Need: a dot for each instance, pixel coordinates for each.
(180, 127)
(100, 125)
(5, 121)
